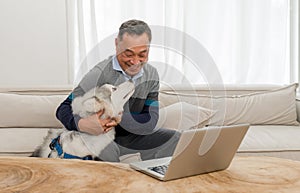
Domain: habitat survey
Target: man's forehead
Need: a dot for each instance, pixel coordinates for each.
(132, 41)
(137, 49)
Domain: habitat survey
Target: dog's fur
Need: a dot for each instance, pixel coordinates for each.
(108, 98)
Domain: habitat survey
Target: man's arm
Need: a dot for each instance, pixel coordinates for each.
(143, 115)
(92, 124)
(65, 115)
(143, 123)
(142, 118)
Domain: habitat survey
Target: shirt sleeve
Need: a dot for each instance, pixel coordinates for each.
(65, 115)
(144, 122)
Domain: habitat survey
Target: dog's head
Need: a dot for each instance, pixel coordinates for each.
(108, 98)
(114, 98)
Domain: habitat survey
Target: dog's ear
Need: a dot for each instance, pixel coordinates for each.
(92, 105)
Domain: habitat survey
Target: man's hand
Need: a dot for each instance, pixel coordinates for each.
(95, 125)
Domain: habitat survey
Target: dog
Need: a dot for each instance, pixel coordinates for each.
(79, 145)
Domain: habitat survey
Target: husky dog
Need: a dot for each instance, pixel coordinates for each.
(75, 144)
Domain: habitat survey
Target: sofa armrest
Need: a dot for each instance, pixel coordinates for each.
(298, 108)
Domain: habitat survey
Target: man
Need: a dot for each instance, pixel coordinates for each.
(136, 132)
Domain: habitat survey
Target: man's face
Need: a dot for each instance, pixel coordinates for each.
(132, 52)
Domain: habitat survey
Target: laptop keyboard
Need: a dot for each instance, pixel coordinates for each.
(159, 169)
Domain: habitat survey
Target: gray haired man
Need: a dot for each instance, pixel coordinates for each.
(137, 132)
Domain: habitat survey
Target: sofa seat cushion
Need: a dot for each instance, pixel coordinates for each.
(271, 138)
(21, 141)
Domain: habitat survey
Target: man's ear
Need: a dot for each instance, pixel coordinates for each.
(116, 45)
(116, 42)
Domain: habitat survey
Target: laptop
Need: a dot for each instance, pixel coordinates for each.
(198, 151)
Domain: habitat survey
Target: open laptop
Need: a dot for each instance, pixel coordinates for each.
(198, 151)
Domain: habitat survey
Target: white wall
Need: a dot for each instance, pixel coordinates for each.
(33, 43)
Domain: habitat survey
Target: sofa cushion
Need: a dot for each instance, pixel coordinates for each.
(271, 107)
(274, 107)
(29, 110)
(183, 116)
(21, 140)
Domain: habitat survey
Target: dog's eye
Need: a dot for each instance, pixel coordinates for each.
(114, 88)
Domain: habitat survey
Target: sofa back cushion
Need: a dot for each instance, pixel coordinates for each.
(276, 106)
(19, 110)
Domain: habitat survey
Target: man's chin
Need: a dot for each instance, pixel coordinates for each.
(133, 72)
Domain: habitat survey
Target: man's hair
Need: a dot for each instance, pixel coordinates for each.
(134, 27)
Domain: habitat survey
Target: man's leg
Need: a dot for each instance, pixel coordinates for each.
(159, 144)
(110, 153)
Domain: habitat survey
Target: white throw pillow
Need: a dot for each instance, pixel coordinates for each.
(183, 116)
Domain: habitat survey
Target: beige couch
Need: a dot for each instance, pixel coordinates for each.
(272, 110)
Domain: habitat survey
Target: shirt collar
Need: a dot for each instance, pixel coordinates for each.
(117, 67)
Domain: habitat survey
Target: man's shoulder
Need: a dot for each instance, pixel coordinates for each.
(149, 66)
(150, 70)
(104, 64)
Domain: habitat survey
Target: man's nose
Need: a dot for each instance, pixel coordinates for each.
(135, 61)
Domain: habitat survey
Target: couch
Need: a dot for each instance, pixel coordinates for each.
(273, 112)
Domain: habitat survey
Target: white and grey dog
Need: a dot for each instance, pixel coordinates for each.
(74, 144)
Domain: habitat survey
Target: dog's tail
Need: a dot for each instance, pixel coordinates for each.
(43, 150)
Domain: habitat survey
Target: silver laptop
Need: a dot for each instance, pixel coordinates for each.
(198, 151)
